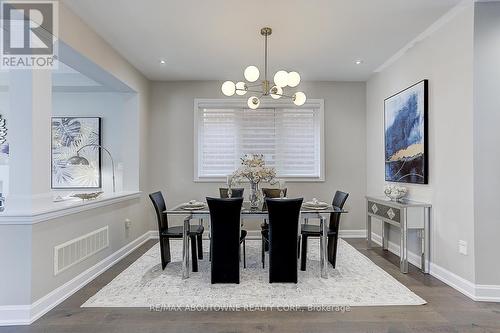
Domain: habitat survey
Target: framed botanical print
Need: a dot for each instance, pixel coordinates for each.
(405, 132)
(73, 136)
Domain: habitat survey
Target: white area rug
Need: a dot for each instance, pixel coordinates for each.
(355, 282)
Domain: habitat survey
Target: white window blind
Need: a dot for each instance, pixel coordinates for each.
(289, 138)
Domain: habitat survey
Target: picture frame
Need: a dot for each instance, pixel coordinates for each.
(68, 134)
(406, 135)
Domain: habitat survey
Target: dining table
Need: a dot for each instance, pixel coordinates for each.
(257, 213)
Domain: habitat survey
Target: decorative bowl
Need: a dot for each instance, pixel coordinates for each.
(395, 193)
(87, 196)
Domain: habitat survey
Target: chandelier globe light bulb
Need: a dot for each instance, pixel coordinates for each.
(276, 92)
(251, 73)
(253, 102)
(241, 88)
(293, 79)
(299, 98)
(281, 78)
(228, 88)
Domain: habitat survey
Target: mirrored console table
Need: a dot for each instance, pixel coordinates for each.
(405, 215)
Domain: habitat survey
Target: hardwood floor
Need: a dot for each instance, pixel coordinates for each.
(447, 311)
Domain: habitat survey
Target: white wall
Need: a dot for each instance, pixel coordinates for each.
(446, 59)
(487, 140)
(171, 144)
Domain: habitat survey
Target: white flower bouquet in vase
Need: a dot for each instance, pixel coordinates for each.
(395, 193)
(253, 168)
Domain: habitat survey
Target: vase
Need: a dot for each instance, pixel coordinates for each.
(254, 195)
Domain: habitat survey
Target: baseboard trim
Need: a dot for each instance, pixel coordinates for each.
(458, 283)
(14, 315)
(476, 292)
(27, 314)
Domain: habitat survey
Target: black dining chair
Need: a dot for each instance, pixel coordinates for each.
(165, 233)
(309, 230)
(225, 241)
(269, 193)
(283, 239)
(237, 193)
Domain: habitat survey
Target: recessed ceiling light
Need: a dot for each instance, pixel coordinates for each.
(358, 62)
(162, 62)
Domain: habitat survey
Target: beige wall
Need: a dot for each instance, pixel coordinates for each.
(446, 59)
(171, 143)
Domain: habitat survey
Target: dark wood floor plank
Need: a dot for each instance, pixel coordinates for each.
(447, 311)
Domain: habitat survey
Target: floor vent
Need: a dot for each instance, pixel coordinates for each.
(76, 250)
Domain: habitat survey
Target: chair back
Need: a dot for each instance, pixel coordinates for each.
(160, 207)
(225, 239)
(283, 238)
(236, 192)
(338, 201)
(271, 193)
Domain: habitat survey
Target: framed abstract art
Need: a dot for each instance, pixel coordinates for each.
(69, 134)
(405, 132)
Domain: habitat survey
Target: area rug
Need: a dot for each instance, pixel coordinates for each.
(356, 281)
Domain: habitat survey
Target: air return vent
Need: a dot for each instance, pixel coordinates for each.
(76, 250)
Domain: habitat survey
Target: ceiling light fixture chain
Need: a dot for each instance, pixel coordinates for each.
(281, 80)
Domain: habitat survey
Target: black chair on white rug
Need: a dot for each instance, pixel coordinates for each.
(225, 239)
(309, 230)
(165, 233)
(283, 239)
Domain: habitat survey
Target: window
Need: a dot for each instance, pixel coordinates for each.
(290, 138)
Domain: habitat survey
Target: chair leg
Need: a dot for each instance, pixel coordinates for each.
(244, 255)
(164, 251)
(298, 247)
(334, 251)
(303, 258)
(194, 256)
(200, 246)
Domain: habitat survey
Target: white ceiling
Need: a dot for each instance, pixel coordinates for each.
(217, 39)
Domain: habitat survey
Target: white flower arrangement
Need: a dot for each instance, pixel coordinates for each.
(253, 168)
(395, 192)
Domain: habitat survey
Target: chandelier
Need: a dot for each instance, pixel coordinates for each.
(265, 88)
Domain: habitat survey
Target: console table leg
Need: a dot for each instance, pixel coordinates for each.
(385, 236)
(403, 258)
(426, 244)
(369, 230)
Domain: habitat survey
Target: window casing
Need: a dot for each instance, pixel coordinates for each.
(289, 137)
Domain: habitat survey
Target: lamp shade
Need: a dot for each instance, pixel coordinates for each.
(77, 160)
